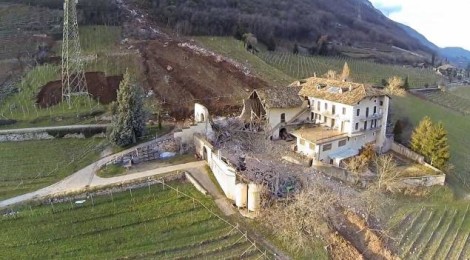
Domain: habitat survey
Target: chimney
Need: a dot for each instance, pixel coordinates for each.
(350, 87)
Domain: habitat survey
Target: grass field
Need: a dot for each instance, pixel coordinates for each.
(300, 67)
(455, 123)
(21, 106)
(463, 92)
(150, 223)
(28, 166)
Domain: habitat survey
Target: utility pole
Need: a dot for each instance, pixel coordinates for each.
(73, 74)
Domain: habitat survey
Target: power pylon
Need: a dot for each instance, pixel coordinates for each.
(73, 74)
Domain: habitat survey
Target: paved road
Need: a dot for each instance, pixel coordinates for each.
(86, 178)
(43, 129)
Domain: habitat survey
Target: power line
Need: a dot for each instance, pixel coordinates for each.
(73, 74)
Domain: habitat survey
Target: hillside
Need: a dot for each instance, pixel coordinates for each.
(345, 24)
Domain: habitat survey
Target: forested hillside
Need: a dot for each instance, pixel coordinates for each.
(346, 22)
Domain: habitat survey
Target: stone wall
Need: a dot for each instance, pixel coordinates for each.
(425, 181)
(147, 153)
(25, 137)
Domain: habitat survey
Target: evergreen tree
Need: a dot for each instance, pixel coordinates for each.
(346, 72)
(129, 117)
(296, 49)
(430, 140)
(398, 131)
(406, 85)
(440, 153)
(420, 136)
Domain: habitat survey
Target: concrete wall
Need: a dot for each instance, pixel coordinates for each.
(274, 117)
(186, 134)
(201, 113)
(402, 150)
(224, 173)
(202, 126)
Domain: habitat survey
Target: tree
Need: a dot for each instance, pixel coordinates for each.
(128, 122)
(406, 84)
(250, 41)
(271, 43)
(439, 155)
(296, 49)
(395, 86)
(387, 171)
(346, 72)
(398, 131)
(430, 140)
(419, 137)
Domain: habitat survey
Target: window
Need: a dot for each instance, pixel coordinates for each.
(341, 143)
(375, 109)
(327, 147)
(324, 119)
(283, 118)
(326, 106)
(344, 111)
(302, 142)
(318, 105)
(333, 109)
(358, 112)
(381, 103)
(367, 112)
(357, 126)
(365, 125)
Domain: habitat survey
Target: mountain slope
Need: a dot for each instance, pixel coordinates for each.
(281, 22)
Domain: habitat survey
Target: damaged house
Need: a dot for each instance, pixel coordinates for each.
(330, 119)
(271, 110)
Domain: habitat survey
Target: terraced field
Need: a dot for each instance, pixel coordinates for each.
(150, 223)
(299, 66)
(28, 166)
(433, 233)
(448, 99)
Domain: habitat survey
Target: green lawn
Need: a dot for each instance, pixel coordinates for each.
(230, 47)
(154, 223)
(31, 165)
(457, 125)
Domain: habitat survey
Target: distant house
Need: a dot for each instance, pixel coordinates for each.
(347, 116)
(269, 110)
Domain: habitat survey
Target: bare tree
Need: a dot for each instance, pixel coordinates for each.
(298, 221)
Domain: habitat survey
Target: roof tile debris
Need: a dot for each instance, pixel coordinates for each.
(280, 97)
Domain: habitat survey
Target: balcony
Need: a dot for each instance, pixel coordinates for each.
(371, 117)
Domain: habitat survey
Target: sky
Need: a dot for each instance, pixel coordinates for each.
(442, 22)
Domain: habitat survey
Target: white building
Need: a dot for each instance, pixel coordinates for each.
(271, 110)
(347, 116)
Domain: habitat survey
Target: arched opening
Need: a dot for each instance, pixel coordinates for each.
(283, 134)
(283, 118)
(202, 117)
(204, 153)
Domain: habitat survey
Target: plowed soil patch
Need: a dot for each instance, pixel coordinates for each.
(102, 88)
(180, 77)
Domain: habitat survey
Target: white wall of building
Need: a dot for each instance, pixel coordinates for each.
(224, 174)
(274, 117)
